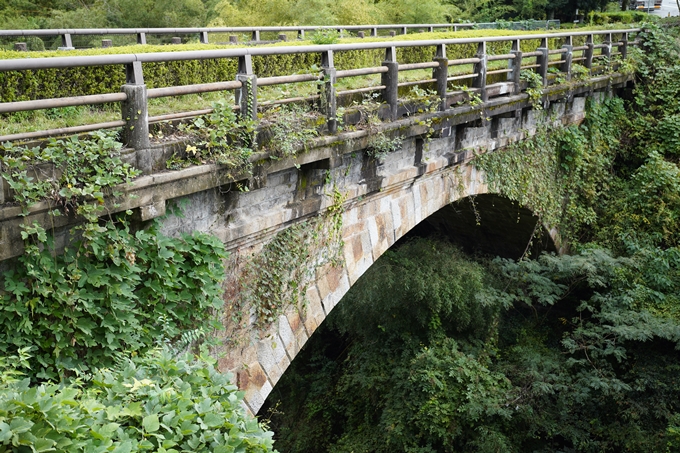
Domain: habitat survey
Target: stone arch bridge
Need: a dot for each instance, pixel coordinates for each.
(380, 199)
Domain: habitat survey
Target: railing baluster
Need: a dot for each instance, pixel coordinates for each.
(607, 49)
(441, 73)
(66, 41)
(542, 61)
(480, 68)
(624, 47)
(567, 56)
(588, 53)
(391, 79)
(135, 112)
(246, 96)
(515, 64)
(328, 92)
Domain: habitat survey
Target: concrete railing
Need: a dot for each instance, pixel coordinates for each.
(598, 48)
(256, 33)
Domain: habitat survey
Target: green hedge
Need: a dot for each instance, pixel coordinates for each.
(55, 83)
(623, 17)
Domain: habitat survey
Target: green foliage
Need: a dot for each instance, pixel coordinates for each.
(152, 403)
(221, 137)
(369, 379)
(325, 36)
(421, 356)
(379, 143)
(622, 17)
(112, 291)
(526, 172)
(534, 87)
(290, 129)
(70, 172)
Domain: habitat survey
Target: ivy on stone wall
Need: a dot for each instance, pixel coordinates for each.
(278, 276)
(561, 174)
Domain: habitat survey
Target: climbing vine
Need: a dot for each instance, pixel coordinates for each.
(278, 276)
(561, 174)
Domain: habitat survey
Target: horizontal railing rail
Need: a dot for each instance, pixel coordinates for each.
(473, 70)
(256, 33)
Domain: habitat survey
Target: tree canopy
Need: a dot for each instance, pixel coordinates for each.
(21, 14)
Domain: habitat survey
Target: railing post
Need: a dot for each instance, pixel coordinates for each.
(404, 30)
(255, 35)
(624, 46)
(246, 96)
(588, 53)
(441, 74)
(543, 60)
(567, 57)
(430, 29)
(66, 41)
(301, 34)
(480, 68)
(327, 98)
(135, 109)
(515, 64)
(204, 37)
(374, 31)
(607, 49)
(141, 38)
(391, 79)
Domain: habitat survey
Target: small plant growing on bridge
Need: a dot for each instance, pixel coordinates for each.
(534, 87)
(579, 73)
(379, 143)
(277, 277)
(326, 36)
(291, 128)
(220, 137)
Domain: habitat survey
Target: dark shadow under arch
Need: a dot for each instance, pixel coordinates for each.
(488, 224)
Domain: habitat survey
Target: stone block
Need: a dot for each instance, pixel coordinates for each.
(332, 287)
(381, 231)
(287, 336)
(358, 255)
(312, 313)
(271, 354)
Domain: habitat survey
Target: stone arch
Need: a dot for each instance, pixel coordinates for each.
(371, 225)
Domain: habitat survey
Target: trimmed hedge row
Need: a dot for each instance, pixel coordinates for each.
(56, 83)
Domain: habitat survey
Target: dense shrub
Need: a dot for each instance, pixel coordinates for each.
(153, 403)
